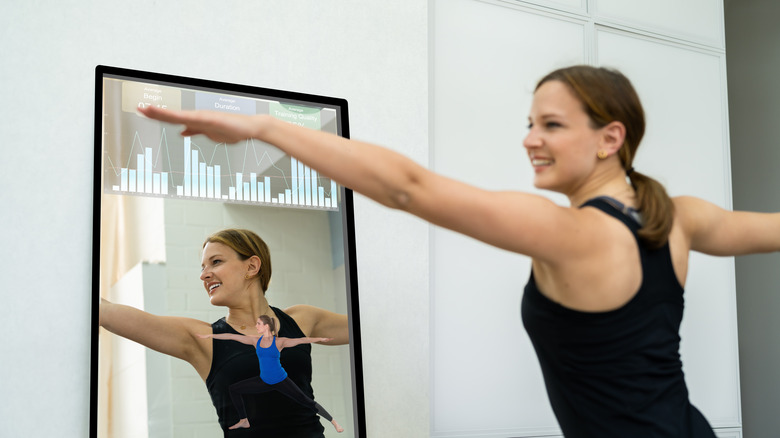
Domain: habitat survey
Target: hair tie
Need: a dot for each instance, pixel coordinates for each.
(630, 171)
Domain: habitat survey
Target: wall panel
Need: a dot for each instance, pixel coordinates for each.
(576, 6)
(685, 147)
(700, 21)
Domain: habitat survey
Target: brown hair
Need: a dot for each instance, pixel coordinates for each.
(267, 320)
(247, 244)
(608, 96)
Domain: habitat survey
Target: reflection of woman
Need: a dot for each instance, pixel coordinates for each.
(236, 270)
(272, 376)
(604, 302)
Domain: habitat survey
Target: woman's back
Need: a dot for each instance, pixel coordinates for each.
(617, 373)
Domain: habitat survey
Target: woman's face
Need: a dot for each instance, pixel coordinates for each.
(222, 272)
(561, 143)
(260, 326)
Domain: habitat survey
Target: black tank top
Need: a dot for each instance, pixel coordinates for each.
(271, 414)
(617, 373)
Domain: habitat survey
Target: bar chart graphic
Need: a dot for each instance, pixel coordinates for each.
(183, 167)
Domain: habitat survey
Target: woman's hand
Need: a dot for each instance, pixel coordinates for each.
(218, 126)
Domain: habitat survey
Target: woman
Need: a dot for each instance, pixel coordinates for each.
(272, 376)
(607, 339)
(236, 270)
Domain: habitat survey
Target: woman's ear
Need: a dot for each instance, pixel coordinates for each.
(613, 137)
(254, 265)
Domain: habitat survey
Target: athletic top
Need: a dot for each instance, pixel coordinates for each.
(272, 413)
(271, 370)
(617, 373)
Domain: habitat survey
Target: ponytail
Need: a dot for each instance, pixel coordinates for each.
(656, 207)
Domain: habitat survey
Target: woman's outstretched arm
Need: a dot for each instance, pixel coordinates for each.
(171, 335)
(292, 342)
(716, 231)
(515, 221)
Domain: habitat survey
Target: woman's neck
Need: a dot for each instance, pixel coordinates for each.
(614, 186)
(246, 316)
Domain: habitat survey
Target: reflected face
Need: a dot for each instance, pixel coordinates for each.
(222, 273)
(561, 143)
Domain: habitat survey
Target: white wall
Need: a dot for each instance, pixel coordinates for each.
(371, 52)
(752, 40)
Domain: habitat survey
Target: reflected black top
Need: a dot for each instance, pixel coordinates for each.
(271, 414)
(617, 373)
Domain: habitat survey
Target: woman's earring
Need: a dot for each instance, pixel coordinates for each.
(247, 277)
(602, 154)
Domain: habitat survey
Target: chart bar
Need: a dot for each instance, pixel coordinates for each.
(217, 181)
(187, 166)
(164, 183)
(203, 179)
(210, 181)
(148, 171)
(195, 183)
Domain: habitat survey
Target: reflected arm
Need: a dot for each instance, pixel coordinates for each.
(170, 335)
(292, 342)
(321, 323)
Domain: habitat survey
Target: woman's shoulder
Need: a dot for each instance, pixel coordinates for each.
(318, 322)
(298, 310)
(689, 203)
(304, 315)
(686, 201)
(691, 212)
(290, 323)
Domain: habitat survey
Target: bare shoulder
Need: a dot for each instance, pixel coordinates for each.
(194, 325)
(319, 322)
(693, 213)
(305, 313)
(579, 233)
(688, 205)
(692, 204)
(302, 311)
(306, 316)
